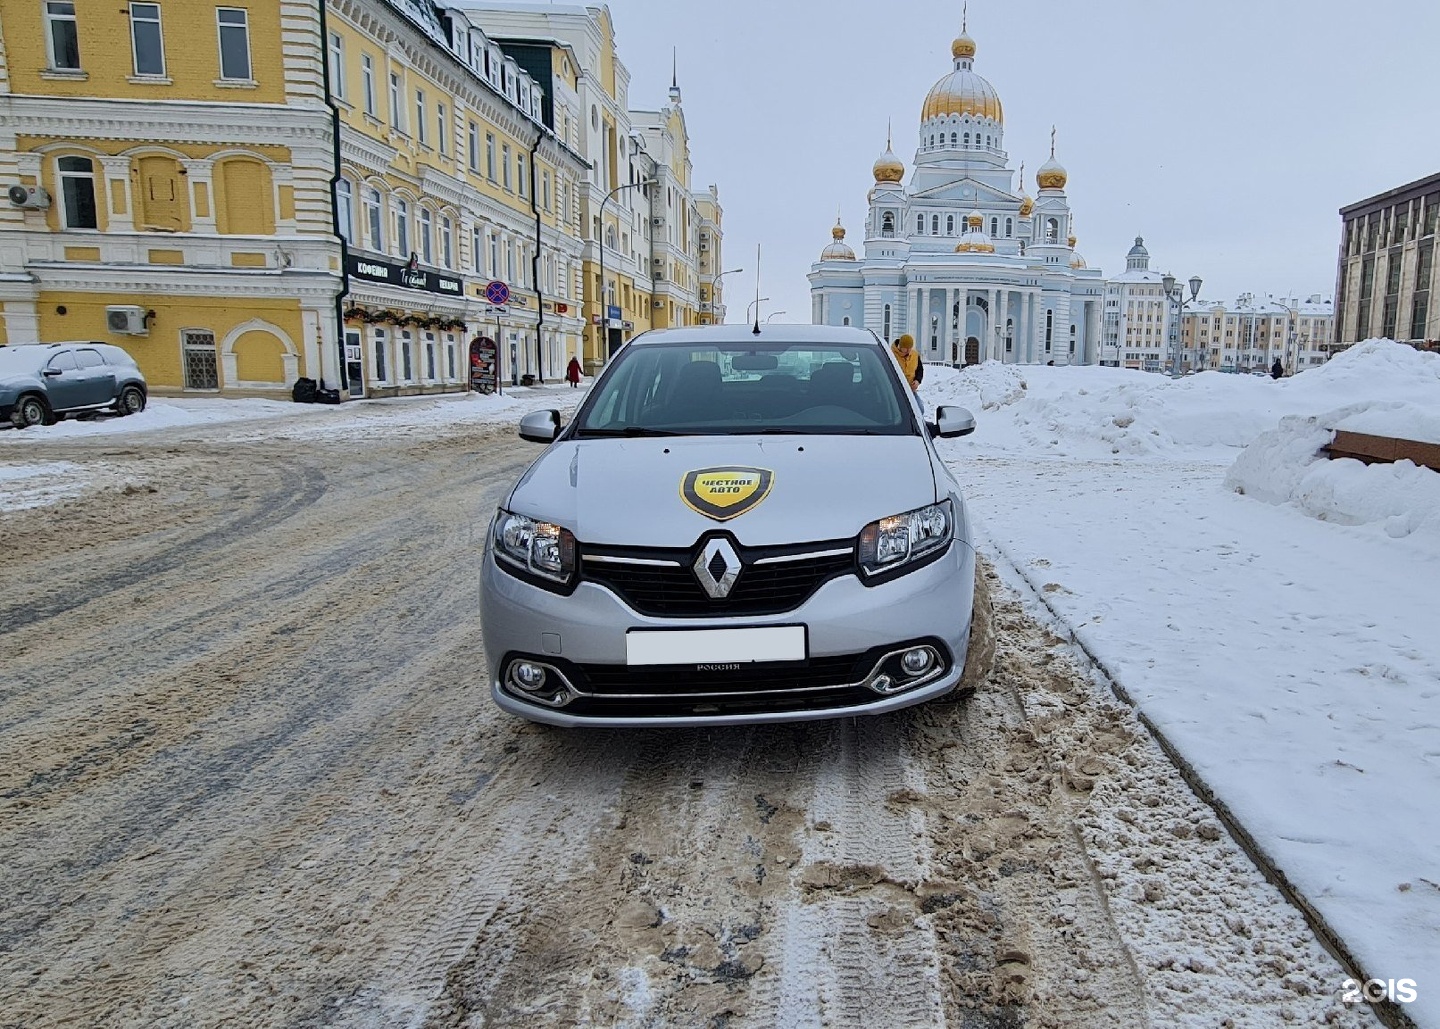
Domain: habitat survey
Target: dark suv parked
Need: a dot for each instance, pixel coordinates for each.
(40, 383)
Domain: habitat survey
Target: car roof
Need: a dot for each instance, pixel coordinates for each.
(62, 343)
(835, 335)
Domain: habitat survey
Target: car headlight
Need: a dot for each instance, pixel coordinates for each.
(893, 543)
(540, 548)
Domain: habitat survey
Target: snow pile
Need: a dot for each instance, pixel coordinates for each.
(1288, 466)
(980, 387)
(1095, 412)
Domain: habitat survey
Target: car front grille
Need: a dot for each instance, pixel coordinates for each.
(772, 677)
(663, 583)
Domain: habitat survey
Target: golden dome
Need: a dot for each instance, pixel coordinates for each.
(1052, 175)
(888, 167)
(1077, 262)
(964, 46)
(975, 241)
(837, 251)
(960, 93)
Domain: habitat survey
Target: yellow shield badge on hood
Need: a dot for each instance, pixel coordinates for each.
(725, 493)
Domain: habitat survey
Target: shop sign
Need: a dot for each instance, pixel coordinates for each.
(484, 364)
(408, 276)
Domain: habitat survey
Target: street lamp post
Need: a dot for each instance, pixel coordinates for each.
(771, 317)
(717, 289)
(751, 307)
(1175, 293)
(604, 299)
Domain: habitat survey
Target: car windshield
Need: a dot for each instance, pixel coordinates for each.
(665, 389)
(15, 360)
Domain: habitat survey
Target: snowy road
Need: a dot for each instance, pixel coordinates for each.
(252, 777)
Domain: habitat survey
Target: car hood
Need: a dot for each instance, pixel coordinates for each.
(628, 492)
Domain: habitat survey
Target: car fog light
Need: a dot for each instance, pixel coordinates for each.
(528, 676)
(917, 661)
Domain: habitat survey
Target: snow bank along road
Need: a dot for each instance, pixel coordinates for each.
(252, 777)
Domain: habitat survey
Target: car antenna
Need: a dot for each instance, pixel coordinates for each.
(756, 330)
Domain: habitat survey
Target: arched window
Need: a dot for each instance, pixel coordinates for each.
(1009, 227)
(427, 236)
(967, 139)
(887, 224)
(845, 320)
(77, 192)
(1052, 230)
(374, 223)
(402, 228)
(987, 140)
(994, 227)
(954, 138)
(920, 225)
(934, 225)
(949, 225)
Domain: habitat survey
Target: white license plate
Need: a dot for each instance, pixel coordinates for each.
(715, 646)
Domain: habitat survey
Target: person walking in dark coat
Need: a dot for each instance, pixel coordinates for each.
(573, 373)
(1277, 369)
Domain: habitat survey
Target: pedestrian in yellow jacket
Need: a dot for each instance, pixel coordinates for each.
(909, 360)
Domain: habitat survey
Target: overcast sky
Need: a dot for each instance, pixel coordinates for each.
(1226, 132)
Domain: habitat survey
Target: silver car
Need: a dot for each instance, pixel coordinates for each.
(739, 525)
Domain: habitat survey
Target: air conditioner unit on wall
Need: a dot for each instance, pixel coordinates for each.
(126, 321)
(33, 197)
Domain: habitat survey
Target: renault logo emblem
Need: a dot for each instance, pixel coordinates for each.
(717, 568)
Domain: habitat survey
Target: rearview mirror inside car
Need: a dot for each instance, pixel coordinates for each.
(754, 362)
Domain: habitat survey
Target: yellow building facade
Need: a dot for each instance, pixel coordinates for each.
(452, 179)
(174, 163)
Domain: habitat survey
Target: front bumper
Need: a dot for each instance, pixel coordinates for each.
(849, 627)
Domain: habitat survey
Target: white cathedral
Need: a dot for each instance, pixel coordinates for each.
(970, 267)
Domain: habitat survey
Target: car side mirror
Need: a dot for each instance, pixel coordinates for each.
(951, 422)
(540, 426)
(50, 373)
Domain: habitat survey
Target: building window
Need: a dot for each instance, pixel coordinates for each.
(381, 345)
(949, 225)
(407, 357)
(337, 65)
(472, 144)
(367, 74)
(430, 356)
(373, 220)
(146, 42)
(450, 357)
(427, 252)
(494, 255)
(490, 156)
(994, 227)
(396, 111)
(234, 28)
(520, 173)
(920, 225)
(1009, 227)
(967, 139)
(477, 254)
(447, 243)
(505, 164)
(345, 209)
(77, 191)
(440, 130)
(420, 117)
(402, 227)
(886, 332)
(62, 35)
(934, 225)
(545, 190)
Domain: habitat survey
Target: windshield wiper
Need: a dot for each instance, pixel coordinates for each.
(629, 431)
